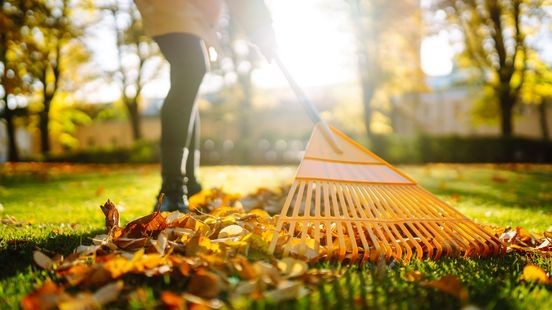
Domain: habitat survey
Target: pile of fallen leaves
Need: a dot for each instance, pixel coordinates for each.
(519, 240)
(218, 249)
(214, 255)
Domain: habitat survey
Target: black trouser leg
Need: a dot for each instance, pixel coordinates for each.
(185, 55)
(192, 161)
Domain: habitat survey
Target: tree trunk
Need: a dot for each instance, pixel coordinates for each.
(44, 127)
(13, 153)
(506, 108)
(368, 43)
(543, 119)
(134, 113)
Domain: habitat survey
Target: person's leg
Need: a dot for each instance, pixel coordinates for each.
(192, 162)
(185, 55)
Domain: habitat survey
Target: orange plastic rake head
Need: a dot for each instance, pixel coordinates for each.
(353, 206)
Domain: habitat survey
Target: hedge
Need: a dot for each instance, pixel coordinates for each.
(396, 150)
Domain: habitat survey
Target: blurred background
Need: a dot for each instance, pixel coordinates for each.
(413, 80)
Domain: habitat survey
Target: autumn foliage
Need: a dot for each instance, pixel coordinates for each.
(216, 253)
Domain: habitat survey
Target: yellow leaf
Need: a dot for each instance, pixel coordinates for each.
(260, 213)
(304, 249)
(225, 211)
(206, 244)
(413, 276)
(291, 267)
(533, 273)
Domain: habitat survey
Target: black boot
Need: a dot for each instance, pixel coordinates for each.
(172, 174)
(193, 187)
(174, 197)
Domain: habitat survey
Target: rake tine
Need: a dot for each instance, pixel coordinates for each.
(317, 198)
(308, 201)
(280, 223)
(294, 217)
(345, 208)
(358, 222)
(327, 214)
(342, 247)
(375, 248)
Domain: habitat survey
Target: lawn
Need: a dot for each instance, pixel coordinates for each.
(56, 208)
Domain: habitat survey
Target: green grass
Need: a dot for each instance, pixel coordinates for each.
(57, 208)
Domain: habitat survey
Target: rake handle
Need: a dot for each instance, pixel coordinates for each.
(309, 107)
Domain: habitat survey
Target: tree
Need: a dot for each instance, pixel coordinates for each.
(137, 61)
(537, 90)
(16, 20)
(56, 44)
(387, 44)
(495, 42)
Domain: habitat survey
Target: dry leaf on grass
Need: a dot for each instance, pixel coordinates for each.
(45, 297)
(42, 260)
(111, 215)
(205, 284)
(291, 267)
(231, 231)
(451, 285)
(414, 276)
(172, 301)
(533, 273)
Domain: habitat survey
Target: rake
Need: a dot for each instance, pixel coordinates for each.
(348, 204)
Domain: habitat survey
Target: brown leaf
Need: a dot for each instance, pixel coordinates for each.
(111, 215)
(45, 297)
(98, 276)
(205, 284)
(499, 179)
(451, 285)
(77, 274)
(146, 226)
(244, 268)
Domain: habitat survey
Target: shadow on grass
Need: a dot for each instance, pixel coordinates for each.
(528, 189)
(17, 255)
